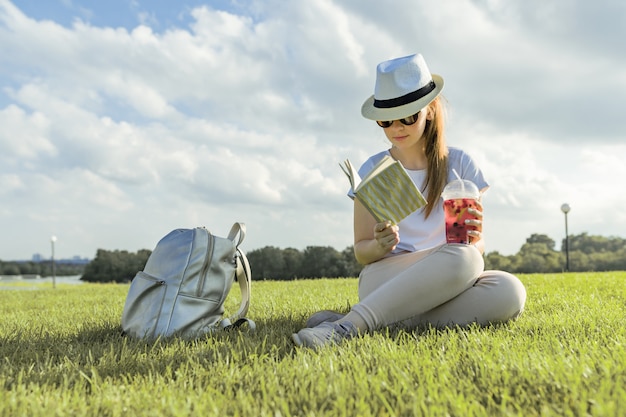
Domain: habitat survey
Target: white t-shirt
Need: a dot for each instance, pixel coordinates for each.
(416, 232)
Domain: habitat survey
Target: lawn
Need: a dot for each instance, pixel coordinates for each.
(62, 354)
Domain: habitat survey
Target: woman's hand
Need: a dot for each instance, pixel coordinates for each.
(475, 232)
(387, 236)
(372, 240)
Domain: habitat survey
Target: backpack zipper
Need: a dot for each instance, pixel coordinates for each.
(207, 261)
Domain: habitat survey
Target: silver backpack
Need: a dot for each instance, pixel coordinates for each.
(183, 286)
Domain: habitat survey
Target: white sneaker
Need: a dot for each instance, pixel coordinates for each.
(321, 316)
(327, 333)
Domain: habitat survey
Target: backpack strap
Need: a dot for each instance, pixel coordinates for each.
(237, 229)
(243, 274)
(227, 325)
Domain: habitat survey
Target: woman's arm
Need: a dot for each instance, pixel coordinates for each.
(372, 240)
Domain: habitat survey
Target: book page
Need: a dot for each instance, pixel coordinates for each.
(351, 173)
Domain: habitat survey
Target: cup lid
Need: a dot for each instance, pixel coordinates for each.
(460, 189)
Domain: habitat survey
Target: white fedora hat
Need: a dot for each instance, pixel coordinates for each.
(404, 86)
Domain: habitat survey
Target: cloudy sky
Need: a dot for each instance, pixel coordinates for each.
(124, 119)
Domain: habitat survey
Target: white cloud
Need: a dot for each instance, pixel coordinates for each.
(110, 136)
(25, 136)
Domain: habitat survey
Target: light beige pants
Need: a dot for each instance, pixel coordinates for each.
(444, 286)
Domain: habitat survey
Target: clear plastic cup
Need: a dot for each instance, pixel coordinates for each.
(458, 197)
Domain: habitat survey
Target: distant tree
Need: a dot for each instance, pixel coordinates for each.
(293, 263)
(115, 266)
(351, 266)
(25, 268)
(141, 259)
(276, 264)
(542, 239)
(494, 260)
(593, 244)
(619, 260)
(608, 261)
(322, 262)
(596, 253)
(267, 263)
(538, 257)
(37, 268)
(10, 268)
(578, 261)
(315, 262)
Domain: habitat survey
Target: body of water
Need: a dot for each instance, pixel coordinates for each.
(34, 282)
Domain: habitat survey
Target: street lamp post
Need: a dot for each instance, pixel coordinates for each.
(53, 239)
(565, 208)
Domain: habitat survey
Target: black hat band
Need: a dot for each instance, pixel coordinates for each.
(405, 99)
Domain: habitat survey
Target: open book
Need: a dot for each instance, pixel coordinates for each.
(387, 191)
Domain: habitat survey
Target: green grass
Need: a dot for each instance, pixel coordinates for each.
(62, 354)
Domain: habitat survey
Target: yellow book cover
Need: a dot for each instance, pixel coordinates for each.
(387, 191)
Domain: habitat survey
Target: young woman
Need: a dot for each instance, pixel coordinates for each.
(412, 276)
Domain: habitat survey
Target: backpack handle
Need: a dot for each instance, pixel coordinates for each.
(243, 274)
(237, 229)
(244, 277)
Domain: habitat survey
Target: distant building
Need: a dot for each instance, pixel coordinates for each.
(74, 260)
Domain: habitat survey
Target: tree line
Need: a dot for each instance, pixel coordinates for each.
(585, 252)
(537, 255)
(43, 268)
(266, 263)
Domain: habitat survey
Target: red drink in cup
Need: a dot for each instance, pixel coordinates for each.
(458, 197)
(456, 212)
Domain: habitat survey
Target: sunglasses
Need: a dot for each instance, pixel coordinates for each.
(407, 121)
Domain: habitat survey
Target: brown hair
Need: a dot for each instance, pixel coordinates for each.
(436, 154)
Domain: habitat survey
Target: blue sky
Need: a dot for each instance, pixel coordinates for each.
(120, 121)
(115, 13)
